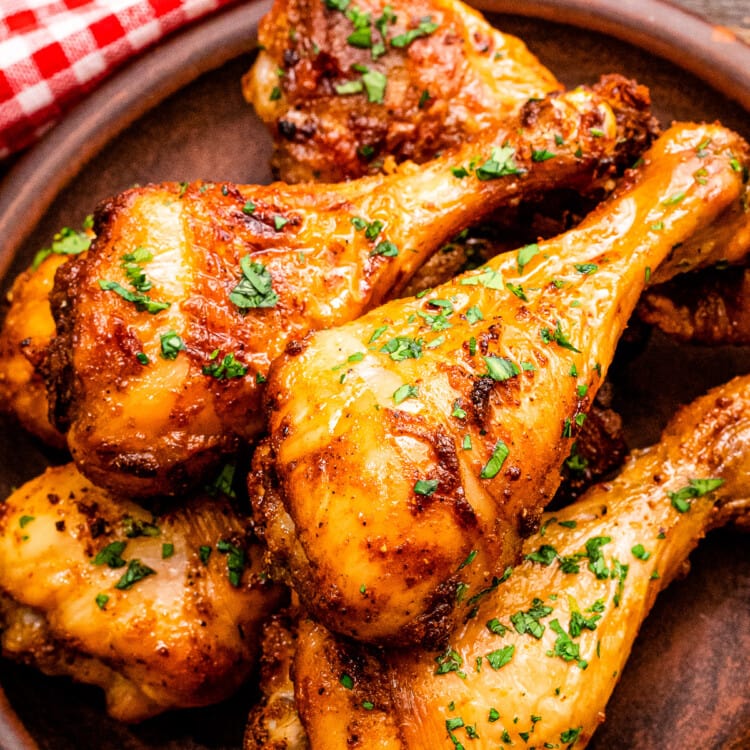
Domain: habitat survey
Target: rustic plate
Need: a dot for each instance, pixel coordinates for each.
(166, 117)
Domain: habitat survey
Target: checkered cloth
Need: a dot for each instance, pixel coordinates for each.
(54, 51)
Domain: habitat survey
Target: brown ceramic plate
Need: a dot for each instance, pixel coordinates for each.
(166, 117)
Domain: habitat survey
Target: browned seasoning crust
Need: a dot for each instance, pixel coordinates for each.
(142, 424)
(441, 89)
(710, 307)
(517, 670)
(183, 633)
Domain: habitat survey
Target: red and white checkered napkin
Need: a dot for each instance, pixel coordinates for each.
(54, 51)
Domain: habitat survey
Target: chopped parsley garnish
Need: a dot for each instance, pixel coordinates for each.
(350, 87)
(235, 561)
(142, 302)
(516, 289)
(248, 208)
(500, 164)
(275, 94)
(171, 345)
(466, 443)
(228, 368)
(474, 314)
(279, 222)
(450, 661)
(458, 412)
(347, 681)
(500, 368)
(565, 647)
(469, 560)
(373, 229)
(673, 199)
(255, 289)
(425, 28)
(495, 626)
(224, 482)
(111, 555)
(135, 274)
(578, 622)
(529, 621)
(204, 552)
(488, 278)
(525, 254)
(597, 565)
(374, 82)
(586, 268)
(545, 555)
(368, 705)
(135, 527)
(167, 550)
(500, 657)
(66, 242)
(385, 248)
(135, 572)
(620, 572)
(142, 358)
(403, 347)
(560, 338)
(377, 333)
(493, 715)
(425, 486)
(101, 600)
(24, 521)
(492, 467)
(542, 155)
(696, 488)
(404, 392)
(570, 735)
(640, 552)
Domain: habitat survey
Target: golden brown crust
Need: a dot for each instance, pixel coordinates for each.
(185, 634)
(518, 671)
(146, 425)
(443, 88)
(27, 330)
(373, 552)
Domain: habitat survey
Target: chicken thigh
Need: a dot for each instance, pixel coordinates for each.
(342, 85)
(161, 612)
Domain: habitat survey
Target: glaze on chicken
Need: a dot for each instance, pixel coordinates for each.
(160, 612)
(432, 74)
(541, 651)
(167, 327)
(432, 430)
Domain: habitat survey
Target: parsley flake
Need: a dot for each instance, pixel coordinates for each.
(255, 289)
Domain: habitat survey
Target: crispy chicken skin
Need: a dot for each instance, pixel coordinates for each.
(446, 86)
(27, 330)
(433, 429)
(142, 424)
(712, 307)
(577, 600)
(182, 635)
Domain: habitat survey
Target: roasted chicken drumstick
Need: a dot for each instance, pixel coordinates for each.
(412, 449)
(167, 326)
(540, 654)
(342, 85)
(160, 612)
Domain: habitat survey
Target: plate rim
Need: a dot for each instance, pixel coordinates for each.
(716, 56)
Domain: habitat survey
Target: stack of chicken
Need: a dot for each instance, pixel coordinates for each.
(409, 421)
